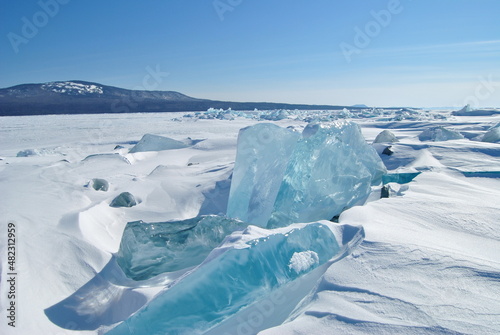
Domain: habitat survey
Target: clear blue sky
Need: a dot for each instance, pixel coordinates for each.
(428, 53)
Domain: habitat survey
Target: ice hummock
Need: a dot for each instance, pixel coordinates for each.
(465, 111)
(332, 168)
(286, 178)
(148, 249)
(246, 269)
(381, 114)
(386, 136)
(439, 133)
(493, 134)
(262, 155)
(469, 111)
(151, 142)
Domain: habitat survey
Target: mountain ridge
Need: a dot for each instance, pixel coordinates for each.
(83, 97)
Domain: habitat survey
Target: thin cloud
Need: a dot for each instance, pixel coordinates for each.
(474, 47)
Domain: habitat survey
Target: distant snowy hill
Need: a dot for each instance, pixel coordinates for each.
(81, 97)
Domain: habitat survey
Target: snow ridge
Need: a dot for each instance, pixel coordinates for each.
(72, 88)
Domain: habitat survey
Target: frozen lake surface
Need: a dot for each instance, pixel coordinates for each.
(429, 262)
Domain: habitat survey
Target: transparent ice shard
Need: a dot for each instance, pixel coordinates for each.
(331, 168)
(148, 249)
(248, 267)
(262, 156)
(281, 177)
(400, 178)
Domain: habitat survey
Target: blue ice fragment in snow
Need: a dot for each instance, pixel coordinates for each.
(244, 270)
(400, 178)
(262, 156)
(124, 199)
(99, 184)
(28, 152)
(148, 249)
(35, 152)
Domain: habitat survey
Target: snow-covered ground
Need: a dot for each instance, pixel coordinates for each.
(429, 264)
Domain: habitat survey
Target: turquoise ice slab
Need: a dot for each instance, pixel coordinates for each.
(148, 249)
(248, 267)
(400, 178)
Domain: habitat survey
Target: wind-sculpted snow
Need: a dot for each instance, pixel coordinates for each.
(430, 265)
(151, 142)
(281, 179)
(248, 267)
(261, 160)
(148, 249)
(439, 133)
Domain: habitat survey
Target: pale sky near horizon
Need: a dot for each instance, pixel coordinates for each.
(419, 53)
